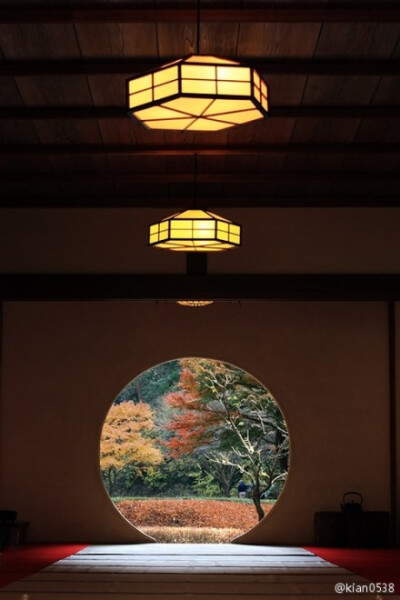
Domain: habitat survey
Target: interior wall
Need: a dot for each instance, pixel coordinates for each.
(63, 363)
(286, 240)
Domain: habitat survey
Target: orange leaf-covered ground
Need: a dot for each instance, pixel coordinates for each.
(190, 513)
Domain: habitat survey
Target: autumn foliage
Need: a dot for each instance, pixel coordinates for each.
(189, 513)
(123, 441)
(228, 420)
(214, 425)
(191, 426)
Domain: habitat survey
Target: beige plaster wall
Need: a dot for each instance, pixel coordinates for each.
(342, 240)
(63, 363)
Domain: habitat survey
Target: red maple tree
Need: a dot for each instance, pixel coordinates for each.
(230, 420)
(192, 426)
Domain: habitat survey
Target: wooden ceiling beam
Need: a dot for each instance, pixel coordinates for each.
(207, 178)
(174, 203)
(277, 112)
(307, 12)
(286, 66)
(341, 287)
(191, 150)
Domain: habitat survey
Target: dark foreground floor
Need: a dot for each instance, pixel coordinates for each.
(187, 572)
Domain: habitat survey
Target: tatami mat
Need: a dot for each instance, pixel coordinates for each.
(184, 572)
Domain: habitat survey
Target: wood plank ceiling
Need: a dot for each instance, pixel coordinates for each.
(333, 138)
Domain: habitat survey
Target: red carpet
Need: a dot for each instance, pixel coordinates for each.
(375, 565)
(16, 563)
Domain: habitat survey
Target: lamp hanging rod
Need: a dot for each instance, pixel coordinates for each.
(198, 28)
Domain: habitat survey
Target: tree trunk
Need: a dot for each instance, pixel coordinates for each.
(283, 461)
(225, 488)
(110, 479)
(108, 482)
(257, 501)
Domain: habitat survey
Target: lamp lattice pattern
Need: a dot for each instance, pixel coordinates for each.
(198, 93)
(195, 231)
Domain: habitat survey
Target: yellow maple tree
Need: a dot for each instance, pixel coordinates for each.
(124, 442)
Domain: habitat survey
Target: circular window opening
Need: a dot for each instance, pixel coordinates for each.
(194, 450)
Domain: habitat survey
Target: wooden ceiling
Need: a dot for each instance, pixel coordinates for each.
(333, 138)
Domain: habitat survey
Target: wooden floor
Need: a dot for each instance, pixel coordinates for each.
(184, 572)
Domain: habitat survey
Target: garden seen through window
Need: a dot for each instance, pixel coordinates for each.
(194, 450)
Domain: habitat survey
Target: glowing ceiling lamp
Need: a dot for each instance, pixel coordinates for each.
(195, 303)
(195, 230)
(198, 93)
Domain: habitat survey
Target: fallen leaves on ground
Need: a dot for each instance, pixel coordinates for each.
(190, 513)
(192, 535)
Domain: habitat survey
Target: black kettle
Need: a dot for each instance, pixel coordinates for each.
(352, 505)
